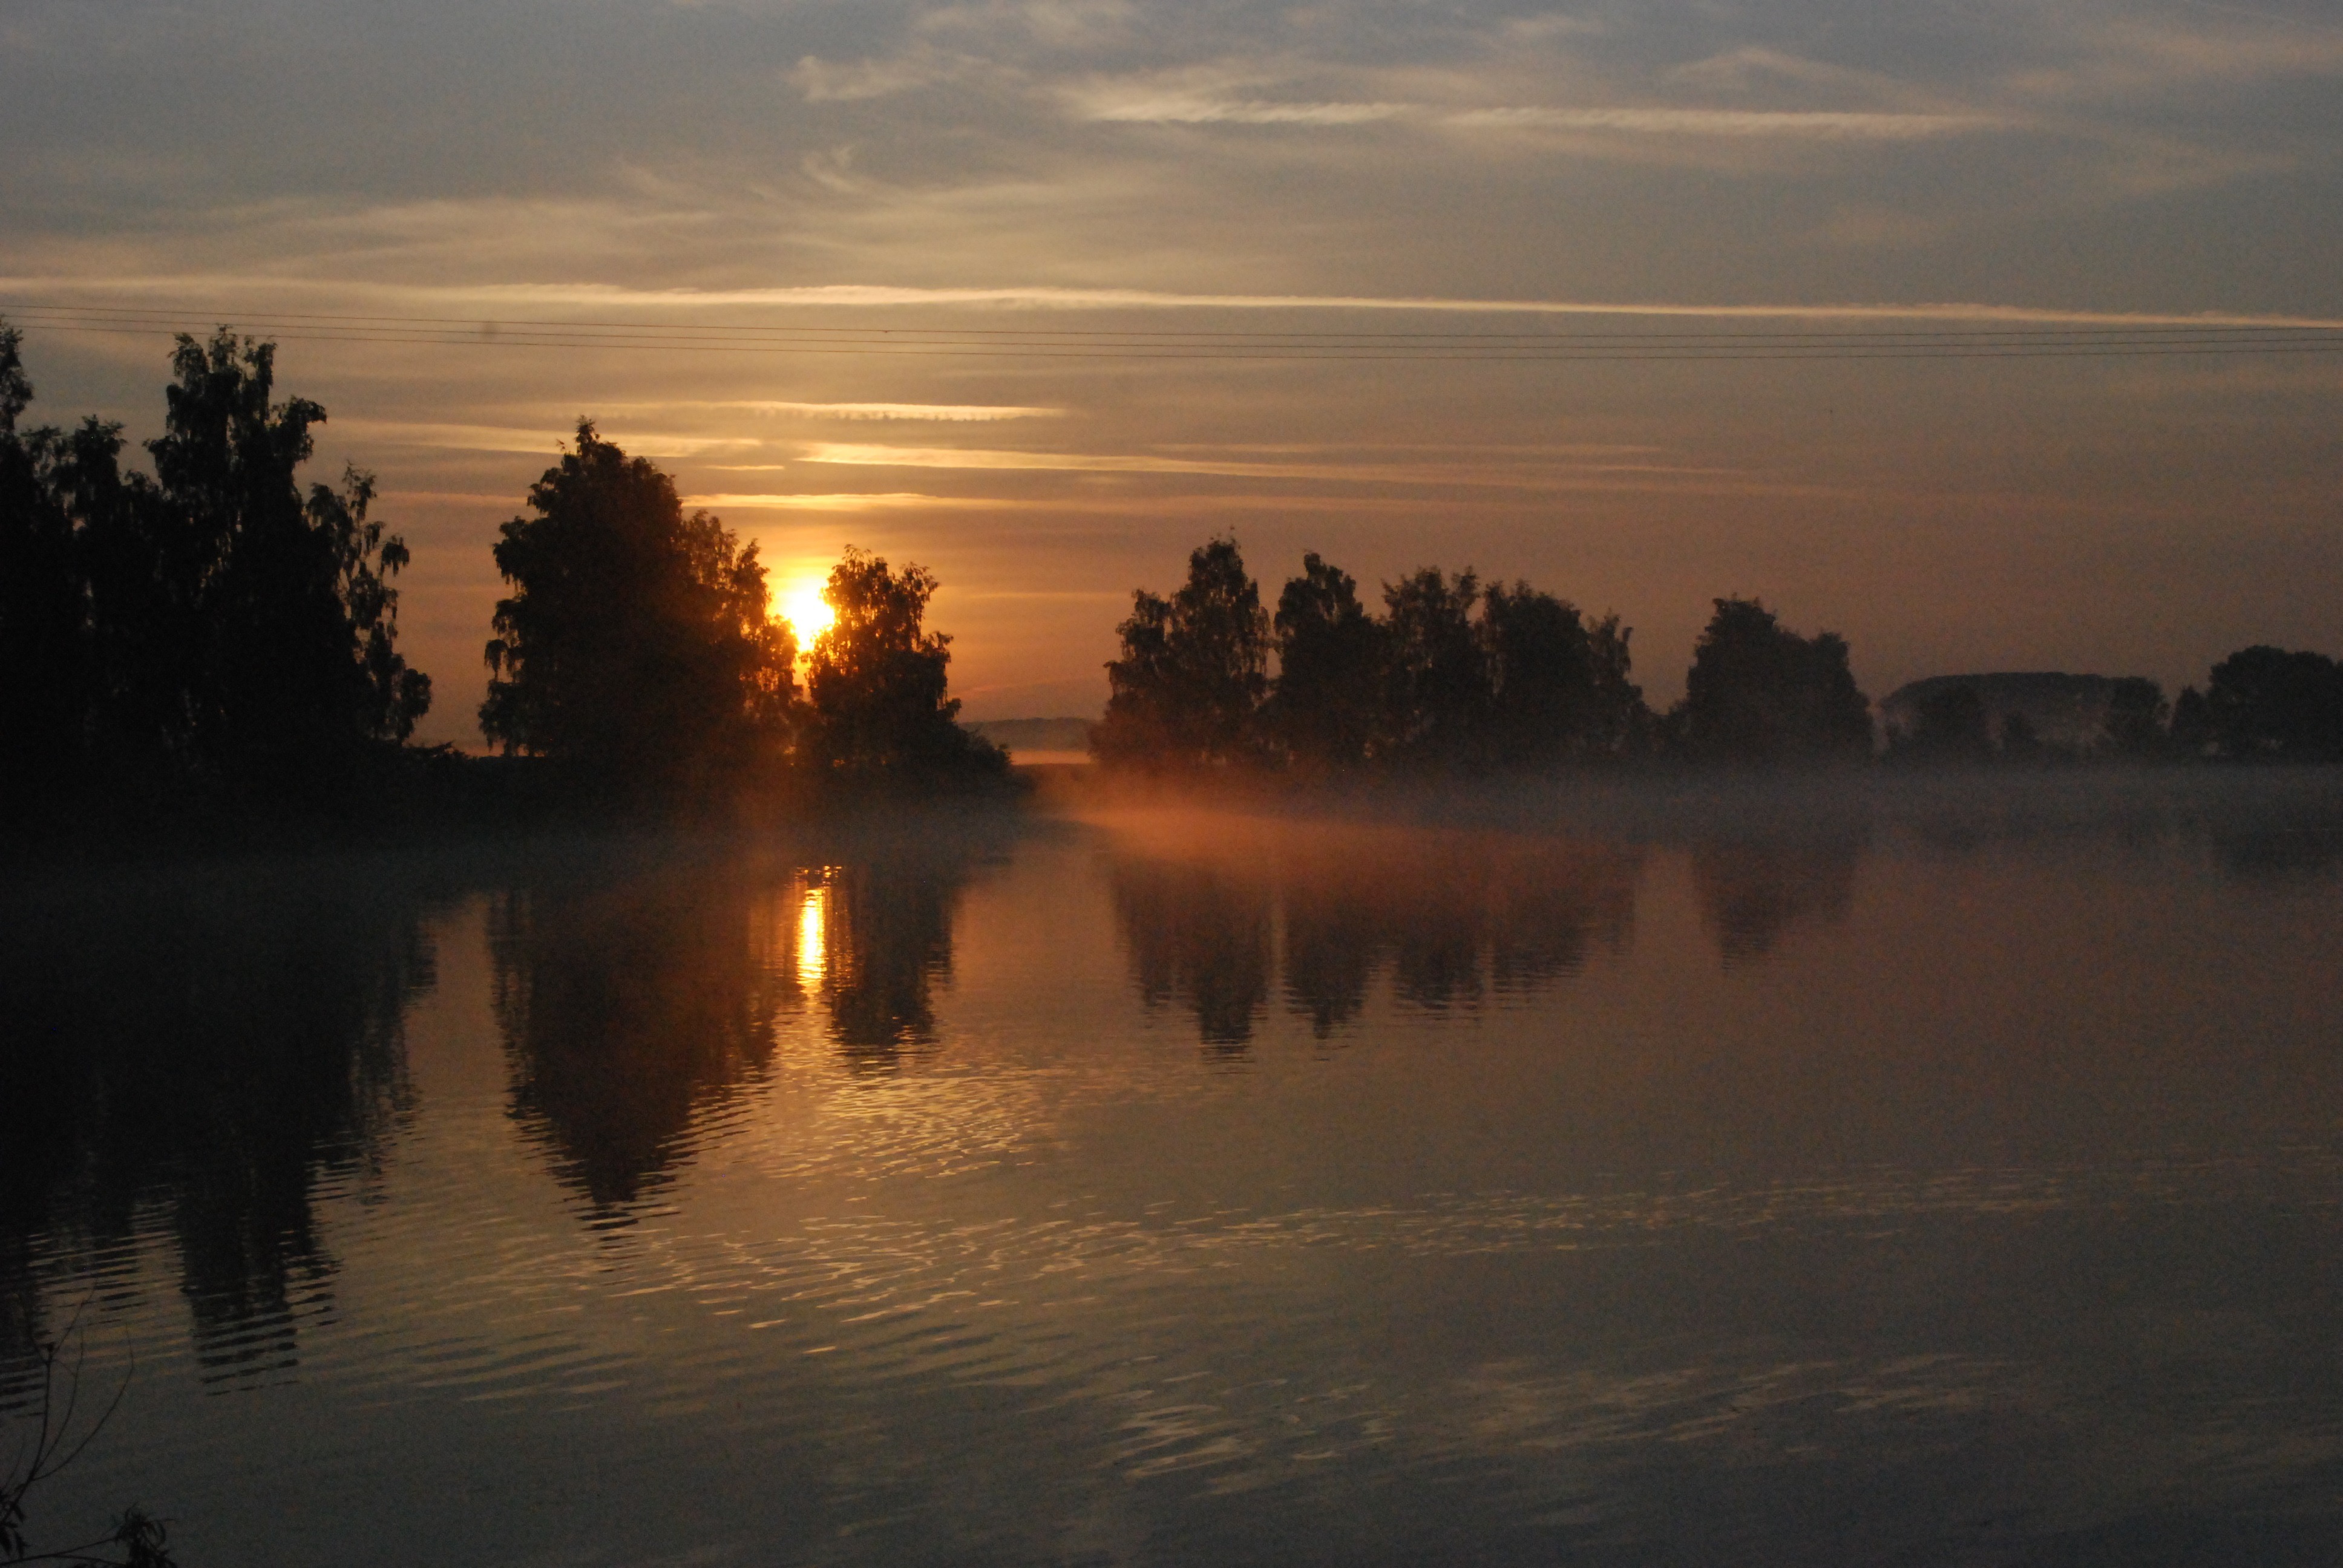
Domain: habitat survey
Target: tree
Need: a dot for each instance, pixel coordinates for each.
(2266, 702)
(635, 651)
(1326, 710)
(1950, 725)
(43, 618)
(1441, 690)
(876, 682)
(1760, 693)
(1194, 668)
(208, 629)
(2138, 721)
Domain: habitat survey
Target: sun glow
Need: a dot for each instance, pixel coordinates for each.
(807, 615)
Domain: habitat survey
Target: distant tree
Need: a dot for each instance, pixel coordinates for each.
(2191, 733)
(1193, 671)
(1758, 693)
(635, 649)
(1619, 723)
(2020, 742)
(1441, 690)
(2137, 721)
(1949, 725)
(1326, 710)
(1541, 666)
(877, 684)
(2266, 702)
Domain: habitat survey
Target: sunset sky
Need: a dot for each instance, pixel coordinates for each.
(1065, 197)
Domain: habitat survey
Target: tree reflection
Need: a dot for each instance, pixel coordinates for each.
(885, 930)
(1752, 894)
(631, 1008)
(210, 1053)
(1200, 936)
(1451, 917)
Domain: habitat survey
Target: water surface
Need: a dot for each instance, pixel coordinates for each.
(1914, 1176)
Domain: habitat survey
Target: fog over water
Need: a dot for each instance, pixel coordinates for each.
(1904, 1170)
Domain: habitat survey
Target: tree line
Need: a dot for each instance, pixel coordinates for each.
(1456, 676)
(212, 640)
(208, 632)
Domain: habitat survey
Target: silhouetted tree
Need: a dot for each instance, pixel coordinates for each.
(44, 617)
(211, 628)
(2191, 733)
(2137, 721)
(2266, 702)
(1759, 693)
(1441, 688)
(636, 649)
(1194, 668)
(1949, 725)
(1326, 710)
(877, 683)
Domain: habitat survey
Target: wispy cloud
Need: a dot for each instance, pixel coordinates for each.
(851, 501)
(1817, 124)
(997, 460)
(938, 413)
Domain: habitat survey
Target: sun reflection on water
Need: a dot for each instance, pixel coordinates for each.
(813, 925)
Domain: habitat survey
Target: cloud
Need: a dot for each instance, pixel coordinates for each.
(996, 460)
(852, 501)
(1819, 124)
(212, 291)
(944, 413)
(1176, 108)
(840, 82)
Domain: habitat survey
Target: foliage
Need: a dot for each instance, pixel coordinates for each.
(209, 628)
(1440, 693)
(635, 651)
(1451, 676)
(1193, 671)
(1326, 710)
(1759, 693)
(877, 686)
(2137, 721)
(2266, 702)
(1951, 725)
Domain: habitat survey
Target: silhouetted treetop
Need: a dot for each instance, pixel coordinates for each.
(209, 629)
(1327, 707)
(636, 649)
(878, 686)
(2266, 702)
(1194, 668)
(1757, 692)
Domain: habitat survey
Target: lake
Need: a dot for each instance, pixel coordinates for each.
(1917, 1171)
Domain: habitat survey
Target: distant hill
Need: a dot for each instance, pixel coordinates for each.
(1035, 734)
(2068, 711)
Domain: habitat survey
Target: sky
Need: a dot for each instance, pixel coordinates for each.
(1041, 293)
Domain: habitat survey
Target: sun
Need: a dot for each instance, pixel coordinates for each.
(807, 615)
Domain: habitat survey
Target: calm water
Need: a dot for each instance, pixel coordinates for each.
(1921, 1179)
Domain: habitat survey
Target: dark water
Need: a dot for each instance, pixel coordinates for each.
(1924, 1178)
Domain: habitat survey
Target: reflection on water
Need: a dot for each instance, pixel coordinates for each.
(199, 1055)
(1753, 893)
(1452, 917)
(630, 1007)
(1949, 1186)
(886, 939)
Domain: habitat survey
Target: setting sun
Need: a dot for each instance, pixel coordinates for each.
(803, 608)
